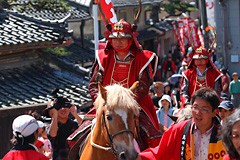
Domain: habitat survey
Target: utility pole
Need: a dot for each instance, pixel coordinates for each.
(204, 22)
(225, 35)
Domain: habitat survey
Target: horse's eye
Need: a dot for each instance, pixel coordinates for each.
(109, 117)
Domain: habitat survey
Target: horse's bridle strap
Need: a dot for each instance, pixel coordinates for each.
(122, 131)
(96, 145)
(114, 135)
(110, 149)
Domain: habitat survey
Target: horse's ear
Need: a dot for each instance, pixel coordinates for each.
(102, 91)
(134, 86)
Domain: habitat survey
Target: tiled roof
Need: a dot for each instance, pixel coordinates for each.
(29, 75)
(18, 30)
(82, 2)
(76, 12)
(119, 3)
(146, 35)
(162, 26)
(80, 59)
(80, 55)
(123, 3)
(33, 83)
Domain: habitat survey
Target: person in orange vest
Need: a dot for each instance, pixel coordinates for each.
(197, 138)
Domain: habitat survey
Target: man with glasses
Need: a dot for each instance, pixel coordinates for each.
(196, 138)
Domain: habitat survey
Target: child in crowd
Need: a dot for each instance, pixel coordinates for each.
(47, 147)
(25, 131)
(165, 109)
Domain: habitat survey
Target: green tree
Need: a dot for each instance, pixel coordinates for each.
(59, 51)
(176, 7)
(53, 5)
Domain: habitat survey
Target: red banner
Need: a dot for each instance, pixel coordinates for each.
(188, 33)
(181, 43)
(108, 10)
(201, 39)
(193, 34)
(186, 30)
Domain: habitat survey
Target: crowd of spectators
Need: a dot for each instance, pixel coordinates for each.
(193, 100)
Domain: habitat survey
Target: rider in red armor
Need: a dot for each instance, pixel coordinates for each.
(123, 61)
(201, 72)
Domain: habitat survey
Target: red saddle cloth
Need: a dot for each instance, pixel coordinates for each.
(77, 139)
(72, 139)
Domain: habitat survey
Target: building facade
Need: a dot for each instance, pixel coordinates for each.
(227, 13)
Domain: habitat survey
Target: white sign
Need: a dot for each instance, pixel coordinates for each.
(234, 58)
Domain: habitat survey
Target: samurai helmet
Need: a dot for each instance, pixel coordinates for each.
(123, 29)
(201, 53)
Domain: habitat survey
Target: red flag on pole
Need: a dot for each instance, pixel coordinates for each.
(108, 10)
(201, 39)
(194, 34)
(181, 43)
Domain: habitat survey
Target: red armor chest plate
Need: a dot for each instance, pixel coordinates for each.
(200, 82)
(121, 73)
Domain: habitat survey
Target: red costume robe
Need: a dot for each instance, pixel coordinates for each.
(24, 152)
(191, 83)
(173, 140)
(138, 67)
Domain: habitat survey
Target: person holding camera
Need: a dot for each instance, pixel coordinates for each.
(61, 126)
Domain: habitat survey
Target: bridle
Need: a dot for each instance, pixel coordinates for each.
(110, 136)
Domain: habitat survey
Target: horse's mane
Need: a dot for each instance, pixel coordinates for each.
(118, 97)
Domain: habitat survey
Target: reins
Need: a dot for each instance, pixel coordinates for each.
(110, 137)
(96, 145)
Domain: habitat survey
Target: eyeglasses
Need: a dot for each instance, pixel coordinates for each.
(201, 110)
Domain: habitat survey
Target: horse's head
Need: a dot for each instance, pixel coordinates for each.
(118, 109)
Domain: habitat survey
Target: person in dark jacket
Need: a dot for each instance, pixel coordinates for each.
(62, 126)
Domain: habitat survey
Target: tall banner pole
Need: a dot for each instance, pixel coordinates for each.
(95, 26)
(204, 22)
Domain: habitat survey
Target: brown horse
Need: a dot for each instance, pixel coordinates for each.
(112, 136)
